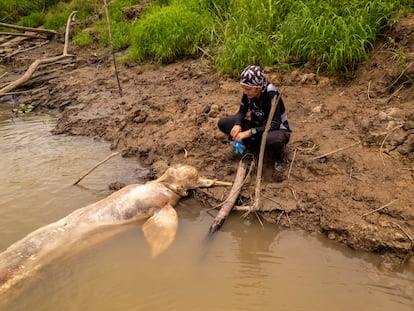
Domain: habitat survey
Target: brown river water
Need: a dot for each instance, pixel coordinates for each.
(245, 267)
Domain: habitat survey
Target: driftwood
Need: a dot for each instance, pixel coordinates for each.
(32, 68)
(38, 30)
(335, 151)
(228, 204)
(17, 34)
(96, 222)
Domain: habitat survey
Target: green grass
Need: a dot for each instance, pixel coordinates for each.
(169, 32)
(333, 36)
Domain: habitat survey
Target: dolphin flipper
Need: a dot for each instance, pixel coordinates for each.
(160, 229)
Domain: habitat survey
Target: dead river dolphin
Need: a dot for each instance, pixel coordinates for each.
(95, 222)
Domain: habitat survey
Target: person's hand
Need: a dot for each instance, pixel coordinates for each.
(235, 131)
(242, 135)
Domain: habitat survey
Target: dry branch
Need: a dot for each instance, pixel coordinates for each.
(38, 30)
(335, 151)
(26, 50)
(379, 208)
(291, 163)
(100, 163)
(230, 200)
(18, 34)
(28, 74)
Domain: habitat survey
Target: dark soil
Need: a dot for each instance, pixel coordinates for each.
(168, 115)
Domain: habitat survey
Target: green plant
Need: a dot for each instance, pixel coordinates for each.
(22, 109)
(167, 32)
(35, 19)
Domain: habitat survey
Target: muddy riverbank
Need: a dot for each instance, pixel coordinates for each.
(350, 159)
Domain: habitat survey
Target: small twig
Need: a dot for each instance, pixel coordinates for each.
(288, 218)
(369, 86)
(271, 199)
(100, 163)
(294, 192)
(258, 218)
(393, 94)
(398, 78)
(3, 75)
(291, 163)
(405, 232)
(335, 151)
(379, 208)
(385, 138)
(28, 49)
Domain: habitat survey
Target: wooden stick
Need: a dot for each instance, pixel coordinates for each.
(25, 50)
(39, 30)
(379, 208)
(335, 151)
(70, 18)
(369, 85)
(291, 163)
(256, 204)
(230, 200)
(112, 47)
(406, 233)
(100, 163)
(385, 138)
(19, 34)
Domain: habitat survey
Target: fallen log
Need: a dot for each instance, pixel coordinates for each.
(22, 28)
(18, 34)
(230, 200)
(86, 226)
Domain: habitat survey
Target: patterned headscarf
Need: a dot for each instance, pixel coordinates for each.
(253, 76)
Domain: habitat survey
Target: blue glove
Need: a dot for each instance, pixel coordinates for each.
(239, 146)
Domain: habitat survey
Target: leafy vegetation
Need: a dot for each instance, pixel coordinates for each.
(334, 36)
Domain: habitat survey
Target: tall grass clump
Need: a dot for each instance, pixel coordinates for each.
(250, 34)
(165, 33)
(333, 37)
(35, 19)
(12, 10)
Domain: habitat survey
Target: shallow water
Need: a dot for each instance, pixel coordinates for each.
(245, 266)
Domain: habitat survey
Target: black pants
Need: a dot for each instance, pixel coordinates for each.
(276, 140)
